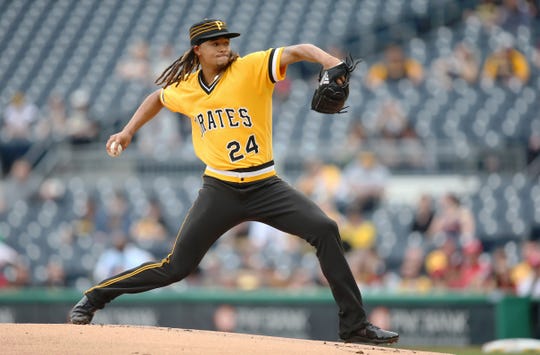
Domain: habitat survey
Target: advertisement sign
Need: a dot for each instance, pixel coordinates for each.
(420, 321)
(458, 324)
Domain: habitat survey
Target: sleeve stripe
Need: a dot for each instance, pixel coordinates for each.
(162, 96)
(272, 66)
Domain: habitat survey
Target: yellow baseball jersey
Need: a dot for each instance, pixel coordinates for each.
(231, 119)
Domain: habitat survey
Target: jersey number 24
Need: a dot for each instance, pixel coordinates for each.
(234, 148)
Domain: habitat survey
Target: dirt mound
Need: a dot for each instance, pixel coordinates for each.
(115, 339)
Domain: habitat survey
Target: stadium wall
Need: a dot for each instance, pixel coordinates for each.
(421, 320)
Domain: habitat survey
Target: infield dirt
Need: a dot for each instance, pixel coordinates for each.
(23, 339)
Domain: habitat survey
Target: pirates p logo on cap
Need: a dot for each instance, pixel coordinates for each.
(208, 29)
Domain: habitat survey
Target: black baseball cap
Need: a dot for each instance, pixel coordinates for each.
(209, 29)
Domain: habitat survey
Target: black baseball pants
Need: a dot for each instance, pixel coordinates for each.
(220, 206)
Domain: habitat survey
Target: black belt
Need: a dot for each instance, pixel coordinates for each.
(254, 168)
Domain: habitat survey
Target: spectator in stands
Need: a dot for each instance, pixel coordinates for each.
(357, 232)
(486, 12)
(509, 15)
(115, 215)
(391, 122)
(473, 271)
(463, 63)
(253, 270)
(501, 277)
(53, 125)
(530, 249)
(363, 183)
(85, 224)
(121, 256)
(150, 230)
(423, 214)
(368, 267)
(529, 285)
(437, 269)
(304, 276)
(394, 67)
(81, 127)
(506, 65)
(513, 14)
(151, 225)
(17, 274)
(16, 138)
(55, 276)
(52, 189)
(453, 220)
(262, 236)
(226, 262)
(399, 145)
(284, 260)
(442, 264)
(19, 117)
(136, 66)
(411, 272)
(319, 181)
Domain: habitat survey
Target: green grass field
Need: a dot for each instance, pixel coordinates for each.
(461, 350)
(450, 350)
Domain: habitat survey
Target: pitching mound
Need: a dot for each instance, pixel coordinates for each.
(110, 339)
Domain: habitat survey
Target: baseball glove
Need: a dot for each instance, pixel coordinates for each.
(330, 96)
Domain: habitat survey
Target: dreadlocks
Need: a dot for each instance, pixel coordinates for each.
(180, 69)
(183, 67)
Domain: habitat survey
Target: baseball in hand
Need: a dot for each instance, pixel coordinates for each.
(115, 149)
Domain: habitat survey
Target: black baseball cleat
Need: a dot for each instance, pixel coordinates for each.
(372, 334)
(82, 312)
